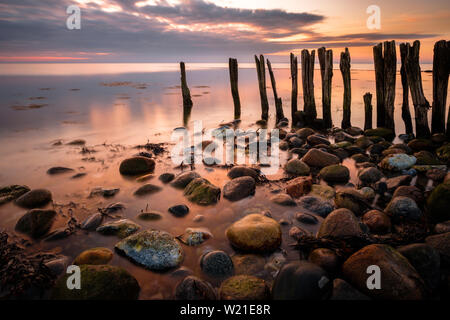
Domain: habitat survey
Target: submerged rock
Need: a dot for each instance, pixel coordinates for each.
(335, 174)
(153, 249)
(107, 193)
(166, 177)
(283, 199)
(316, 205)
(183, 179)
(217, 264)
(92, 222)
(250, 264)
(36, 222)
(150, 215)
(179, 210)
(195, 236)
(12, 192)
(241, 171)
(136, 166)
(193, 288)
(58, 170)
(239, 188)
(244, 287)
(121, 228)
(94, 256)
(340, 223)
(34, 199)
(147, 189)
(202, 192)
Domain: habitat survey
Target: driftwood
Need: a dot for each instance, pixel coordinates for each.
(261, 71)
(326, 72)
(294, 79)
(367, 111)
(308, 85)
(278, 103)
(345, 70)
(379, 80)
(441, 66)
(233, 68)
(406, 114)
(187, 101)
(421, 104)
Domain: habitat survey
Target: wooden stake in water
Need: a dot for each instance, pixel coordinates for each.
(345, 70)
(278, 103)
(308, 85)
(187, 101)
(390, 71)
(261, 71)
(367, 111)
(233, 67)
(441, 67)
(294, 94)
(406, 114)
(326, 72)
(379, 80)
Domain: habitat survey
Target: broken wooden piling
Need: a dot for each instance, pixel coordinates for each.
(187, 101)
(406, 114)
(379, 80)
(233, 68)
(367, 111)
(421, 104)
(441, 66)
(326, 72)
(278, 102)
(294, 93)
(261, 71)
(344, 65)
(308, 85)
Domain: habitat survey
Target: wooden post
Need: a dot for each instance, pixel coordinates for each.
(379, 79)
(326, 72)
(278, 103)
(406, 114)
(421, 104)
(308, 85)
(345, 70)
(233, 68)
(441, 66)
(187, 101)
(294, 94)
(261, 70)
(368, 111)
(390, 72)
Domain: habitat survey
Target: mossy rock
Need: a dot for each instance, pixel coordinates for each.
(335, 174)
(99, 282)
(444, 153)
(202, 192)
(121, 228)
(297, 167)
(384, 133)
(438, 203)
(94, 256)
(244, 287)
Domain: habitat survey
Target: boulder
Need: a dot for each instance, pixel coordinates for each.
(241, 171)
(36, 222)
(319, 158)
(244, 287)
(340, 223)
(316, 139)
(370, 175)
(183, 179)
(193, 288)
(136, 166)
(304, 133)
(297, 167)
(441, 242)
(352, 200)
(195, 236)
(217, 264)
(421, 144)
(202, 192)
(377, 221)
(326, 259)
(166, 177)
(299, 186)
(34, 199)
(384, 133)
(179, 210)
(239, 188)
(335, 174)
(323, 191)
(409, 191)
(400, 208)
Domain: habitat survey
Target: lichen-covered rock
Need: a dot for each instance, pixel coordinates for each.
(398, 162)
(193, 288)
(195, 236)
(319, 158)
(36, 222)
(136, 165)
(241, 171)
(147, 189)
(166, 177)
(202, 192)
(183, 179)
(297, 167)
(250, 264)
(94, 256)
(403, 208)
(12, 192)
(255, 233)
(340, 223)
(244, 287)
(150, 215)
(121, 228)
(239, 188)
(323, 191)
(217, 264)
(99, 282)
(335, 174)
(34, 199)
(400, 281)
(438, 203)
(153, 249)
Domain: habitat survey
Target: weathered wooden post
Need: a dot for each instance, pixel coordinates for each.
(421, 104)
(368, 111)
(233, 68)
(406, 114)
(379, 80)
(441, 66)
(187, 101)
(261, 71)
(390, 72)
(278, 103)
(345, 70)
(326, 72)
(308, 85)
(294, 94)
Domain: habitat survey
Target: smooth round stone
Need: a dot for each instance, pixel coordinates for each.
(94, 256)
(179, 210)
(239, 188)
(183, 179)
(121, 228)
(403, 208)
(136, 165)
(306, 218)
(370, 175)
(193, 288)
(335, 174)
(36, 222)
(283, 199)
(377, 221)
(150, 215)
(34, 199)
(241, 171)
(316, 205)
(297, 167)
(147, 189)
(166, 177)
(244, 287)
(340, 223)
(217, 264)
(297, 233)
(325, 258)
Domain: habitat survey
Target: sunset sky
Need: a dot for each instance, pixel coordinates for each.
(210, 31)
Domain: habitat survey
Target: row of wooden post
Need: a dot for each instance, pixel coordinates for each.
(385, 61)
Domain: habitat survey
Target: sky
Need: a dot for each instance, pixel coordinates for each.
(211, 31)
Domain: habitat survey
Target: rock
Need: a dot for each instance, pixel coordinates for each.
(145, 178)
(202, 192)
(295, 142)
(150, 215)
(239, 188)
(244, 287)
(153, 249)
(283, 145)
(398, 162)
(283, 200)
(304, 133)
(58, 170)
(58, 265)
(367, 193)
(36, 222)
(384, 133)
(34, 199)
(436, 174)
(342, 290)
(426, 158)
(306, 218)
(193, 288)
(442, 227)
(335, 174)
(300, 280)
(316, 205)
(316, 139)
(425, 260)
(106, 193)
(392, 151)
(198, 218)
(250, 264)
(241, 171)
(377, 221)
(166, 177)
(370, 175)
(195, 236)
(326, 259)
(299, 186)
(136, 165)
(421, 144)
(377, 149)
(99, 282)
(400, 281)
(179, 210)
(363, 142)
(403, 208)
(12, 192)
(183, 179)
(409, 191)
(441, 242)
(444, 153)
(340, 223)
(354, 131)
(77, 142)
(438, 203)
(256, 233)
(393, 183)
(181, 272)
(94, 256)
(319, 158)
(58, 234)
(323, 191)
(360, 158)
(352, 200)
(343, 136)
(298, 233)
(217, 264)
(121, 228)
(297, 167)
(92, 222)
